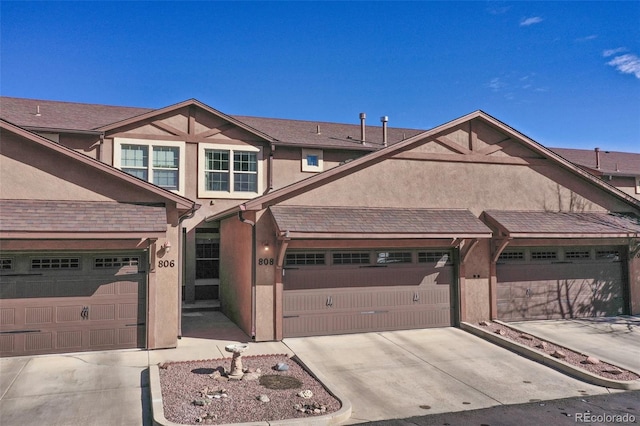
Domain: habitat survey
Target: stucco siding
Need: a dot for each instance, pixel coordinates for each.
(235, 271)
(477, 187)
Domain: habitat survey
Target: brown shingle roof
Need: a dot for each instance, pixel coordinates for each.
(345, 136)
(63, 115)
(567, 223)
(80, 216)
(356, 220)
(616, 163)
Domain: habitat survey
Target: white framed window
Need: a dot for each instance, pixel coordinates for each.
(229, 171)
(637, 184)
(159, 162)
(312, 160)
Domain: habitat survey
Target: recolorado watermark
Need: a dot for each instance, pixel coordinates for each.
(604, 418)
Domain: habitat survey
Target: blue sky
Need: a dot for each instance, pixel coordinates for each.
(564, 73)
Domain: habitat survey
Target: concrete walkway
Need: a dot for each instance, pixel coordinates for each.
(615, 340)
(400, 374)
(107, 388)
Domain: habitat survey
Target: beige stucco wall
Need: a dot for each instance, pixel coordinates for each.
(287, 163)
(235, 271)
(477, 187)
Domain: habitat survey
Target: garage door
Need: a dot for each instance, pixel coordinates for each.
(339, 292)
(73, 302)
(548, 283)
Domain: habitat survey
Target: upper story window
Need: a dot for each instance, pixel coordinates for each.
(229, 171)
(158, 162)
(312, 160)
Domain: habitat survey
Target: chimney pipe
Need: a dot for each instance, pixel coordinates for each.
(597, 158)
(384, 120)
(363, 116)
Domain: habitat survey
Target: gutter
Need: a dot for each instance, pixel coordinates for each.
(242, 219)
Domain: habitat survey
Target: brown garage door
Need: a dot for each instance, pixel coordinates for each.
(548, 283)
(349, 292)
(55, 303)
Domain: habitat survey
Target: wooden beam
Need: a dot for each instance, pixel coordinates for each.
(497, 247)
(191, 127)
(466, 249)
(213, 132)
(487, 150)
(473, 137)
(451, 144)
(168, 128)
(470, 158)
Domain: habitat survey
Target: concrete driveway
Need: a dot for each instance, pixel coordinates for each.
(615, 339)
(400, 374)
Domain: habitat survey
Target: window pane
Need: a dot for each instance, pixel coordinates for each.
(312, 160)
(216, 160)
(216, 181)
(394, 257)
(354, 258)
(139, 173)
(164, 156)
(166, 178)
(245, 162)
(244, 182)
(134, 156)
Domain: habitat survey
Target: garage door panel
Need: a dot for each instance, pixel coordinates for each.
(365, 276)
(69, 340)
(72, 310)
(559, 289)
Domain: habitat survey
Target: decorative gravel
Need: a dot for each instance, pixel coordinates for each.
(572, 357)
(186, 385)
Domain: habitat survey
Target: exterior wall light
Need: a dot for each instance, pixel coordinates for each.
(266, 246)
(167, 246)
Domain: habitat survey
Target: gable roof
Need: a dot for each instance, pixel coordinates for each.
(332, 174)
(187, 103)
(63, 115)
(318, 134)
(181, 202)
(611, 162)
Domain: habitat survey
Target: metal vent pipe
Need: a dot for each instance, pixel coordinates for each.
(363, 117)
(384, 119)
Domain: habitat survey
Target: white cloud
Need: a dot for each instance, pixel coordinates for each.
(627, 64)
(587, 38)
(496, 84)
(525, 22)
(611, 52)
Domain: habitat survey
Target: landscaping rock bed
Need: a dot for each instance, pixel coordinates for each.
(198, 392)
(584, 361)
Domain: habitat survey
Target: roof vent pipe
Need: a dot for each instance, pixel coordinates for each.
(384, 120)
(597, 158)
(363, 116)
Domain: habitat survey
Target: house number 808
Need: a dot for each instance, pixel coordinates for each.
(166, 264)
(265, 261)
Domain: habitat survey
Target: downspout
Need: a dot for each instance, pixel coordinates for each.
(186, 216)
(253, 268)
(270, 174)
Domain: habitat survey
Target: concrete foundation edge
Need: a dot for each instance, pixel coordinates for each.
(549, 361)
(340, 416)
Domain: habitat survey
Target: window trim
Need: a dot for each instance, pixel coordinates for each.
(306, 167)
(637, 184)
(231, 194)
(150, 144)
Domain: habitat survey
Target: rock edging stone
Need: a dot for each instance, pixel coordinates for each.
(549, 361)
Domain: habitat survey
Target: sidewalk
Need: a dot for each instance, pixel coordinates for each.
(108, 388)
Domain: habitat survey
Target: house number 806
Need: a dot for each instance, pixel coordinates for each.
(166, 264)
(265, 261)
